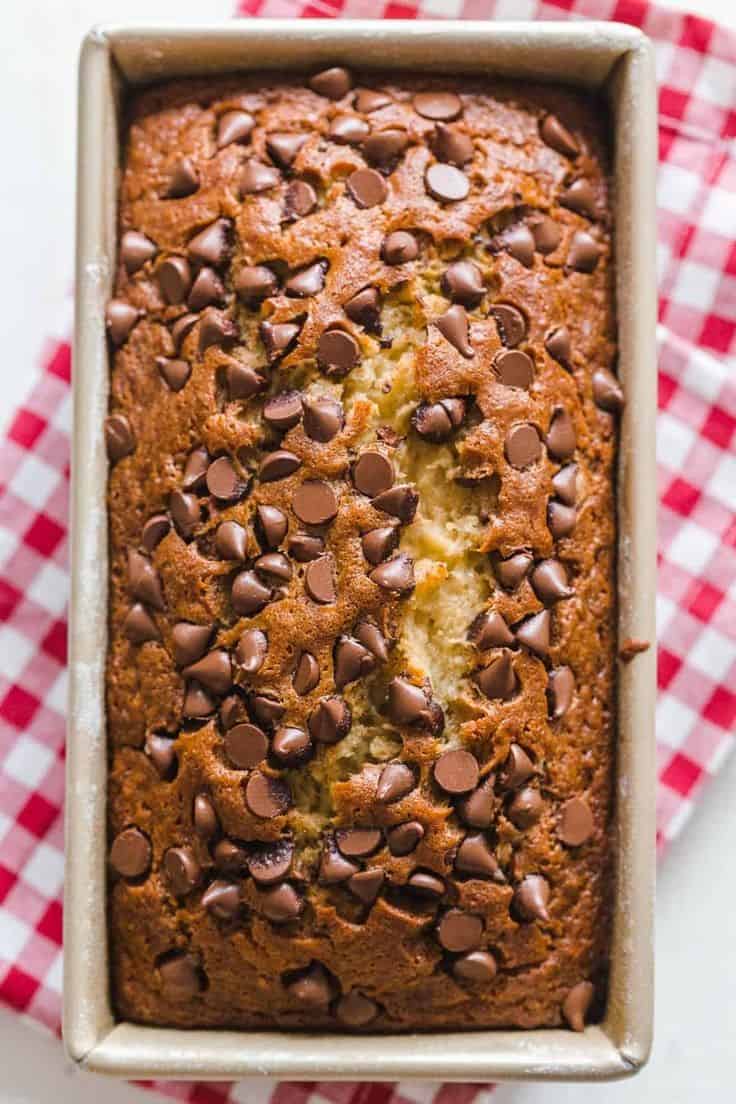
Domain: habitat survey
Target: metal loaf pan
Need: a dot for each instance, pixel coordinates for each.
(604, 56)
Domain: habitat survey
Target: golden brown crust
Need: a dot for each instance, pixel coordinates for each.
(243, 966)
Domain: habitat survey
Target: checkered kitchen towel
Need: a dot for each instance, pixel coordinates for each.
(697, 517)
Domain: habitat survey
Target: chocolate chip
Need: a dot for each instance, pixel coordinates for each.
(436, 421)
(319, 580)
(233, 711)
(511, 571)
(229, 857)
(213, 671)
(358, 842)
(546, 233)
(311, 987)
(198, 702)
(291, 746)
(395, 781)
(396, 574)
(181, 870)
(130, 854)
(607, 391)
(333, 868)
(549, 581)
(364, 308)
(315, 502)
(281, 904)
(348, 130)
(453, 325)
(175, 373)
(330, 721)
(377, 544)
(307, 281)
(558, 345)
(576, 1005)
(355, 1009)
(438, 105)
(585, 252)
(181, 328)
(456, 771)
(425, 884)
(407, 704)
(204, 817)
(452, 146)
(210, 246)
(489, 630)
(558, 136)
(306, 675)
(246, 745)
(283, 411)
(352, 661)
(271, 526)
(372, 473)
(478, 967)
(561, 439)
(271, 863)
(476, 809)
(222, 899)
(519, 243)
(267, 797)
(135, 250)
(560, 519)
(183, 179)
(185, 512)
(446, 183)
(560, 690)
(249, 595)
(518, 768)
(267, 709)
(367, 188)
(565, 484)
(576, 824)
(405, 838)
(216, 329)
(160, 750)
(580, 197)
(254, 283)
(256, 177)
(463, 283)
(223, 482)
(234, 126)
(283, 148)
(526, 807)
(337, 352)
(323, 418)
(459, 931)
(251, 651)
(498, 680)
(181, 977)
(274, 566)
(278, 465)
(368, 100)
(304, 548)
(154, 531)
(510, 323)
(278, 337)
(366, 885)
(534, 633)
(119, 439)
(333, 83)
(474, 857)
(371, 637)
(120, 318)
(514, 368)
(399, 248)
(144, 580)
(531, 897)
(384, 147)
(300, 200)
(206, 289)
(523, 446)
(138, 625)
(231, 541)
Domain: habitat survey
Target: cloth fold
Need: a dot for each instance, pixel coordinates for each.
(696, 600)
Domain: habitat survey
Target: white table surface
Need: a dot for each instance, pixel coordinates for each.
(696, 950)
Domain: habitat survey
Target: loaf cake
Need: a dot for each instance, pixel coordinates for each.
(361, 670)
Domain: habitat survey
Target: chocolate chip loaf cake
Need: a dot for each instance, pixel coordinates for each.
(362, 435)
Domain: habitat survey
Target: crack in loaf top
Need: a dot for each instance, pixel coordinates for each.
(360, 674)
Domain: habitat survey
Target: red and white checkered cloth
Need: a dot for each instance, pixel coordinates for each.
(696, 713)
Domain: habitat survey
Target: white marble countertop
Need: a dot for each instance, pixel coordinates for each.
(696, 953)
